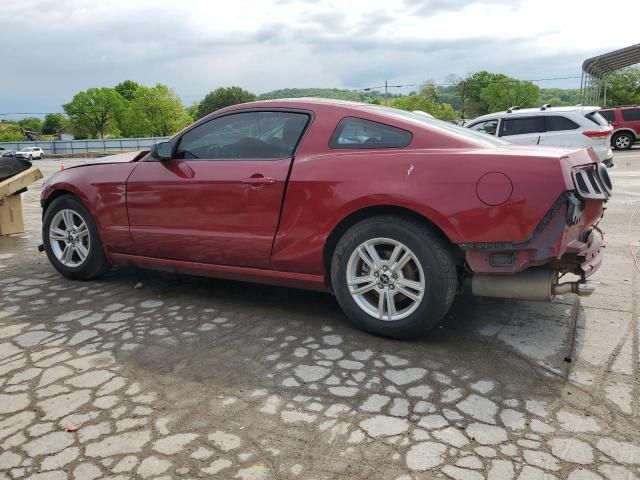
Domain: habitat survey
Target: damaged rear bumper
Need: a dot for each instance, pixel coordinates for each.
(566, 241)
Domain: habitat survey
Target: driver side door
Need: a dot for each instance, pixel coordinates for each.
(218, 199)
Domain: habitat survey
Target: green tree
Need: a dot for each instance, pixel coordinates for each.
(31, 124)
(623, 87)
(192, 110)
(155, 112)
(484, 92)
(53, 123)
(223, 97)
(559, 97)
(503, 94)
(426, 100)
(94, 112)
(470, 88)
(127, 89)
(10, 132)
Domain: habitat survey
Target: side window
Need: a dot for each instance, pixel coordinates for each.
(557, 123)
(631, 114)
(609, 115)
(521, 126)
(248, 135)
(488, 126)
(354, 132)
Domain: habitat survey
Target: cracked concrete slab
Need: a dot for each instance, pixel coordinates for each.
(199, 378)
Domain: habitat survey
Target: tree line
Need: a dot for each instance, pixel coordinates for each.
(133, 110)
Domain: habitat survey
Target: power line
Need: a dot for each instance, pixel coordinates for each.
(467, 82)
(387, 86)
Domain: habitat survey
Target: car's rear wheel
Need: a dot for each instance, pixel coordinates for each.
(71, 240)
(622, 141)
(30, 157)
(393, 276)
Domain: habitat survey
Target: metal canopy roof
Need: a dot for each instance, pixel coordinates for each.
(603, 65)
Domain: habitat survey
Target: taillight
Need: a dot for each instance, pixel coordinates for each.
(598, 133)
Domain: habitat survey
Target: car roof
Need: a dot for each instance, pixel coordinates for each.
(623, 107)
(536, 111)
(374, 112)
(290, 102)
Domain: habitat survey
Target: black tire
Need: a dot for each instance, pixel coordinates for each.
(622, 141)
(435, 258)
(30, 158)
(96, 263)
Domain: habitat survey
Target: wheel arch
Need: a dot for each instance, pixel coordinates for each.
(625, 130)
(62, 191)
(46, 202)
(371, 211)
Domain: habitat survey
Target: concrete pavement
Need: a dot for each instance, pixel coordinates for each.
(198, 378)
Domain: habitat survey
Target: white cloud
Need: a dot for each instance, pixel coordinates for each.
(50, 49)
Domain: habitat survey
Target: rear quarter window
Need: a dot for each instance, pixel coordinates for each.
(631, 114)
(609, 115)
(557, 123)
(354, 132)
(597, 118)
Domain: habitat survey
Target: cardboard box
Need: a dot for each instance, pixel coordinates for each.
(11, 219)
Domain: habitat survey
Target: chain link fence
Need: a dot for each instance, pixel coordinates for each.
(93, 146)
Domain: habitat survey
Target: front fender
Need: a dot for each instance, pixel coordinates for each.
(102, 190)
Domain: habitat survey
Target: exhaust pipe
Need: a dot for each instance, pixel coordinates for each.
(534, 284)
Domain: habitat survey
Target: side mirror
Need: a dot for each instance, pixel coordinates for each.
(161, 151)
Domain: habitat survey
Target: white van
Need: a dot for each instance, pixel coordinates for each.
(552, 126)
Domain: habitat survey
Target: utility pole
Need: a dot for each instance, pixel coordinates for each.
(386, 101)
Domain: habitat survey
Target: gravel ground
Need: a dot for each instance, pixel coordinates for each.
(198, 378)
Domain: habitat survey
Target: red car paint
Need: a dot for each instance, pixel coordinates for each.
(272, 221)
(623, 120)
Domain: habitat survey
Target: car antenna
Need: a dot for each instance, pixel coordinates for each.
(515, 107)
(545, 106)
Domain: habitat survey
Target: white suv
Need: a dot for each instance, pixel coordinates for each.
(30, 153)
(551, 126)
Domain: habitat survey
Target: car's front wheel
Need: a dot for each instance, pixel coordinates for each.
(393, 276)
(622, 141)
(71, 240)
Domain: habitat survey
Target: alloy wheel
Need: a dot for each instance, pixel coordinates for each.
(622, 142)
(385, 279)
(69, 238)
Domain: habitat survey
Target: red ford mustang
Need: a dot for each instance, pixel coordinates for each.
(391, 211)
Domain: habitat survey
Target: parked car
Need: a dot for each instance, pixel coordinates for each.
(30, 153)
(551, 126)
(626, 126)
(8, 153)
(391, 211)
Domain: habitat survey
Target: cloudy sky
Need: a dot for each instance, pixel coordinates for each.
(50, 49)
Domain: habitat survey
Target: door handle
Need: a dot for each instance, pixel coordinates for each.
(259, 180)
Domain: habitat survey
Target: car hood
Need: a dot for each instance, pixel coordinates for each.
(119, 158)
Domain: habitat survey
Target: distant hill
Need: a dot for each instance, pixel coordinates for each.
(554, 96)
(337, 93)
